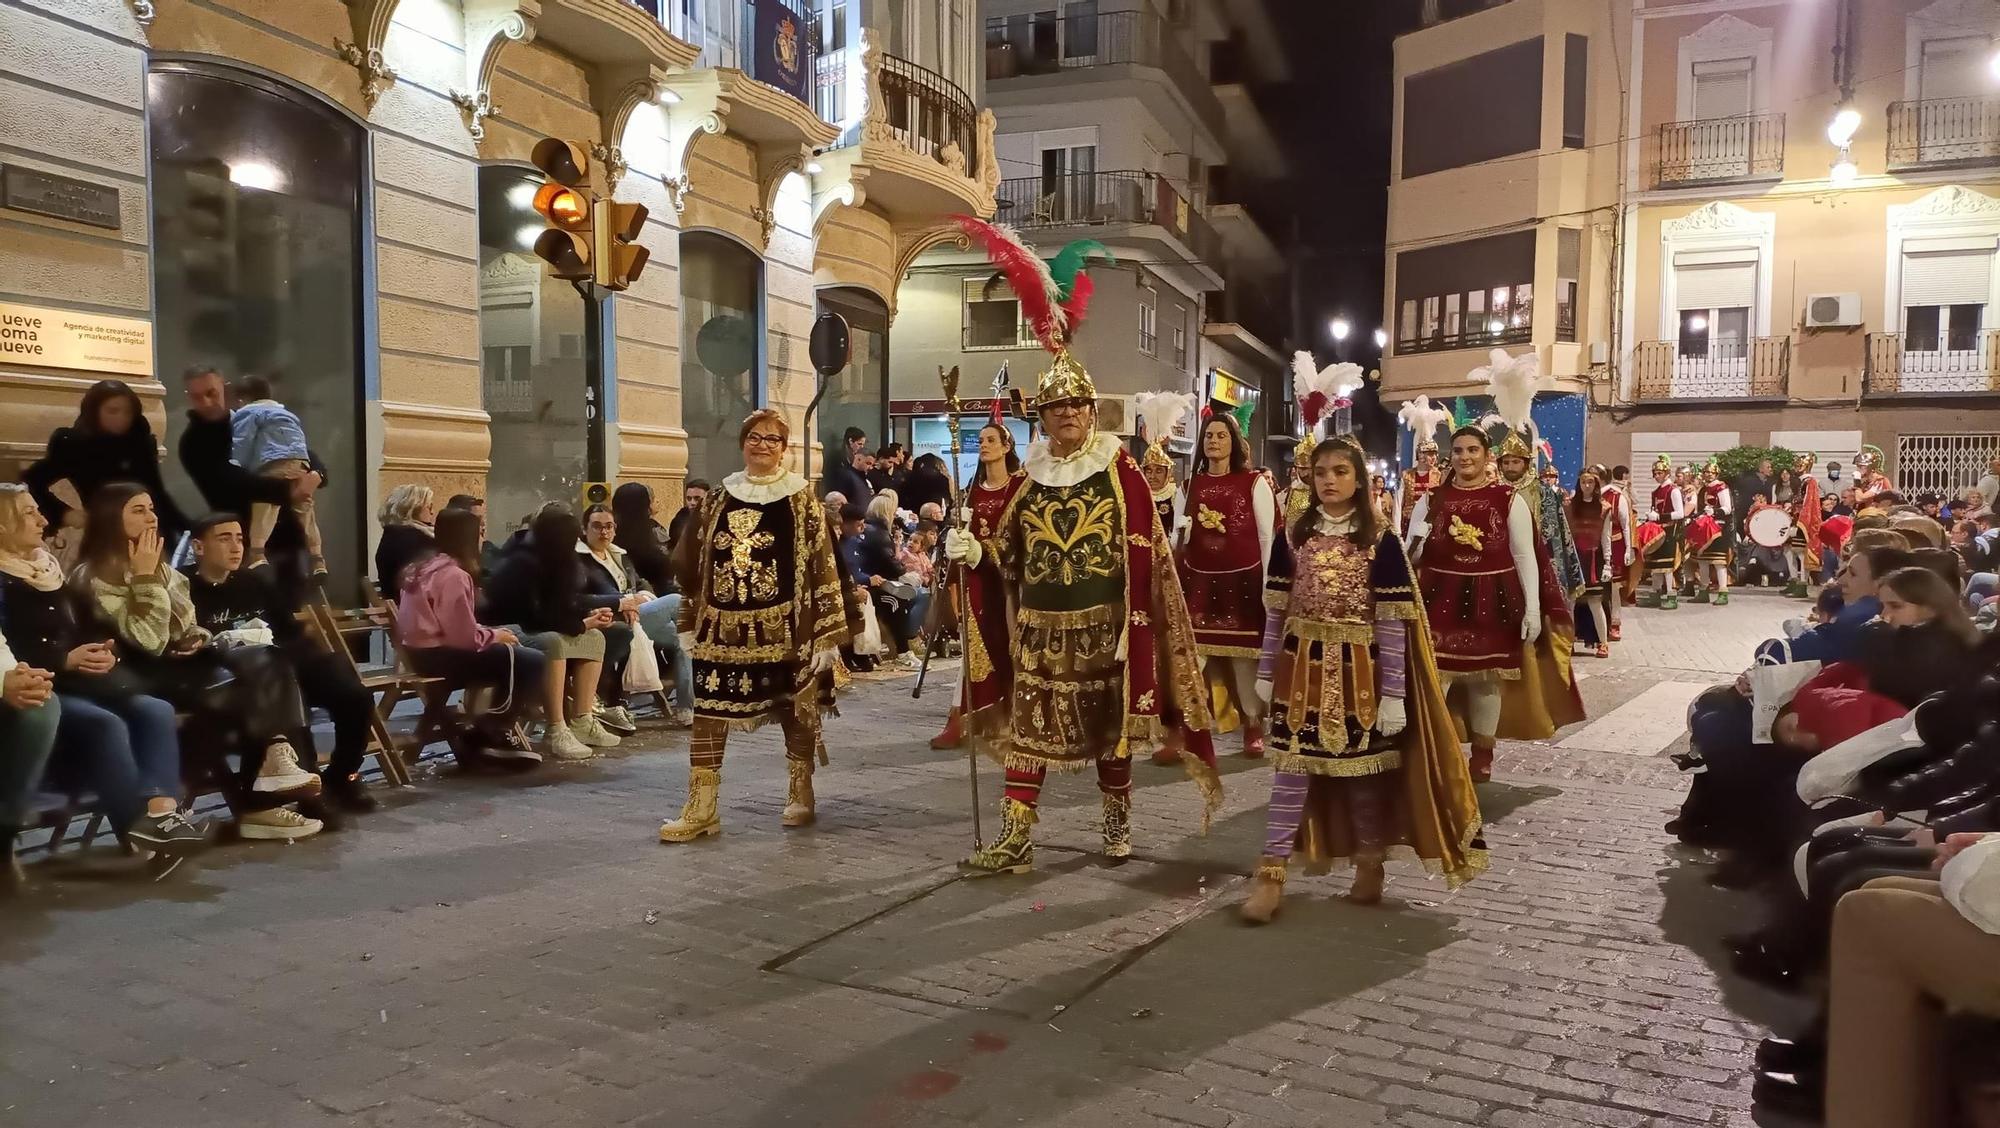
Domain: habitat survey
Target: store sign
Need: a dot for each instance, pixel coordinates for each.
(62, 338)
(60, 197)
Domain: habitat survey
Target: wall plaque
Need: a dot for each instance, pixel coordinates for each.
(63, 338)
(61, 197)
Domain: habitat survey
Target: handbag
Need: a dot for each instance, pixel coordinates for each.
(642, 668)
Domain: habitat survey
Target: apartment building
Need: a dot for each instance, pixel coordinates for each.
(336, 194)
(1764, 222)
(1130, 122)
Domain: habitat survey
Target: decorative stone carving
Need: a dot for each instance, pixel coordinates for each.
(612, 158)
(875, 112)
(989, 160)
(367, 62)
(677, 188)
(1727, 30)
(952, 157)
(142, 10)
(767, 218)
(1714, 217)
(1952, 201)
(476, 108)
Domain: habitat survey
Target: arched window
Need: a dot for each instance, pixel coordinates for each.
(257, 266)
(722, 353)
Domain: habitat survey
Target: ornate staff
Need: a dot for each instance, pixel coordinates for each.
(953, 408)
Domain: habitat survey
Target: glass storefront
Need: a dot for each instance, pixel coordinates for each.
(256, 268)
(857, 396)
(722, 354)
(533, 378)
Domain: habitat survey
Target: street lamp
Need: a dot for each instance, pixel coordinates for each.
(1845, 124)
(1381, 338)
(1340, 328)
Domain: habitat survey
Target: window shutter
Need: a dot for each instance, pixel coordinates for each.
(1947, 277)
(1722, 89)
(1715, 285)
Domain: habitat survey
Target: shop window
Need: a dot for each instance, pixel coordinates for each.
(858, 395)
(722, 335)
(992, 318)
(256, 269)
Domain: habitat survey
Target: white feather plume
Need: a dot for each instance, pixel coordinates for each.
(1423, 418)
(1333, 381)
(1512, 381)
(1162, 412)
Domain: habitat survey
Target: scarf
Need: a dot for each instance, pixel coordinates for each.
(39, 570)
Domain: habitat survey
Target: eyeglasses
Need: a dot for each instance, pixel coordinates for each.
(1070, 407)
(603, 527)
(756, 438)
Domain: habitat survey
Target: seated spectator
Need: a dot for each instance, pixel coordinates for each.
(236, 606)
(408, 514)
(270, 442)
(919, 554)
(882, 575)
(836, 504)
(539, 589)
(611, 572)
(207, 442)
(111, 441)
(443, 638)
(925, 484)
(29, 712)
(243, 694)
(112, 739)
(1835, 641)
(489, 553)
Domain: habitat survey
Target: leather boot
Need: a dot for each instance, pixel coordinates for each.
(799, 793)
(1482, 761)
(1117, 824)
(953, 734)
(1268, 891)
(1013, 851)
(699, 816)
(1253, 740)
(1368, 879)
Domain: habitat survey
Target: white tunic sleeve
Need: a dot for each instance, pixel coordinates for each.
(1521, 545)
(1264, 509)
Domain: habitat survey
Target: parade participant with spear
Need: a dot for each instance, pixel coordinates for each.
(984, 615)
(1102, 653)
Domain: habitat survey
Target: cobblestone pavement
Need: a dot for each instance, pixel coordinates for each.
(522, 953)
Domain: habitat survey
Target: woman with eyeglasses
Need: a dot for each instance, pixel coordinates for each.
(764, 614)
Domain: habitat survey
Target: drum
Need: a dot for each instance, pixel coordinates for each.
(1769, 526)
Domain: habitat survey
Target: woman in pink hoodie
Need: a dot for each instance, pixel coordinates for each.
(444, 638)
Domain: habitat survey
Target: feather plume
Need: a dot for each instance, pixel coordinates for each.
(1077, 303)
(1068, 267)
(1162, 412)
(1027, 275)
(1320, 390)
(1512, 381)
(1423, 418)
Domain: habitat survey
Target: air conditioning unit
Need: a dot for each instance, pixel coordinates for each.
(1827, 311)
(1114, 414)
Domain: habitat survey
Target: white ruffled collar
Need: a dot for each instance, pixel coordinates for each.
(1166, 492)
(1330, 526)
(752, 491)
(1045, 469)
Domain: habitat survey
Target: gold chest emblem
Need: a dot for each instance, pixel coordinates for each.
(740, 576)
(1468, 535)
(1210, 519)
(1069, 540)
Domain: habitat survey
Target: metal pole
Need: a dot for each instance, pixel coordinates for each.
(593, 380)
(953, 408)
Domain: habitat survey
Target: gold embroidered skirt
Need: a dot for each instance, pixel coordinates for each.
(1323, 703)
(1068, 701)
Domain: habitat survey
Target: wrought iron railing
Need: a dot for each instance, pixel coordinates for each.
(1900, 364)
(726, 32)
(925, 110)
(1944, 132)
(1040, 44)
(1070, 199)
(1758, 368)
(1716, 150)
(1484, 333)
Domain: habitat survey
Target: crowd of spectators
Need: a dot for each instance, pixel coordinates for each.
(1851, 775)
(150, 653)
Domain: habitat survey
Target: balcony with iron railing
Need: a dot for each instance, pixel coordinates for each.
(1720, 150)
(923, 109)
(1944, 133)
(1089, 199)
(1933, 363)
(1041, 44)
(1757, 368)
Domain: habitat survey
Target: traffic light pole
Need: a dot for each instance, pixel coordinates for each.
(594, 383)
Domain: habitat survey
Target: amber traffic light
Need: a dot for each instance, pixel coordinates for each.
(619, 259)
(565, 203)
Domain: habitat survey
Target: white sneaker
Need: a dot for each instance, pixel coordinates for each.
(618, 719)
(278, 823)
(562, 744)
(592, 732)
(281, 773)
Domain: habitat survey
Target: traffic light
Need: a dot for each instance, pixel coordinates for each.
(619, 259)
(566, 203)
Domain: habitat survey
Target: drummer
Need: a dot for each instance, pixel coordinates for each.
(1669, 511)
(1768, 530)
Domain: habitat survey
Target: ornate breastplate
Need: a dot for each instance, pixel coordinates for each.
(1331, 584)
(1072, 545)
(750, 555)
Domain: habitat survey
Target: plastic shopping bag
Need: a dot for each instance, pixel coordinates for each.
(642, 669)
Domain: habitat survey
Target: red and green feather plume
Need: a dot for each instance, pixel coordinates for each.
(1054, 294)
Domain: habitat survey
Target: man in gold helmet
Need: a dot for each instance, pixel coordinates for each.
(1104, 652)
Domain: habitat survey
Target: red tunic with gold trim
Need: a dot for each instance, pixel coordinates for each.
(989, 669)
(1415, 485)
(1222, 570)
(1465, 571)
(1614, 497)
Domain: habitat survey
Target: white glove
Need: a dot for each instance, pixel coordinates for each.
(1531, 626)
(1264, 690)
(823, 661)
(965, 517)
(687, 641)
(1390, 716)
(1630, 556)
(962, 547)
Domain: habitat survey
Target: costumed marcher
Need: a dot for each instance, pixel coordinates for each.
(1663, 552)
(1514, 457)
(1801, 552)
(1368, 766)
(1225, 548)
(987, 615)
(1621, 556)
(1712, 537)
(1423, 422)
(764, 612)
(1870, 481)
(1103, 653)
(1593, 520)
(1161, 414)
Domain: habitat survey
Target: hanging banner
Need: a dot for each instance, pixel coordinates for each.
(781, 58)
(65, 338)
